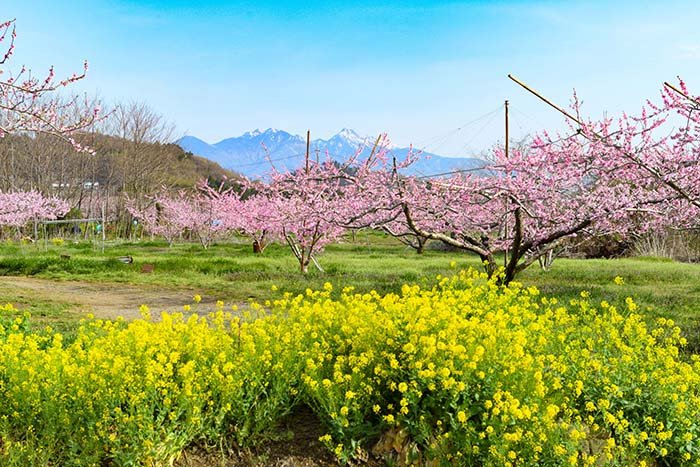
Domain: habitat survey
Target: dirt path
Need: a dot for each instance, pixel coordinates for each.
(104, 300)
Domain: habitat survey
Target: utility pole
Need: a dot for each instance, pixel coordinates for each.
(308, 145)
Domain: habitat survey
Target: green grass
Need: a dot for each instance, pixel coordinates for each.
(661, 288)
(46, 315)
(230, 271)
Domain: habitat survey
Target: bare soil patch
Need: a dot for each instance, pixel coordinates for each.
(296, 446)
(104, 300)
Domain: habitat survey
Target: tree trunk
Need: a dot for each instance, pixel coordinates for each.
(490, 266)
(546, 260)
(420, 248)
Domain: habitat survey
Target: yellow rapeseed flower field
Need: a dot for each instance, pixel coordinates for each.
(465, 373)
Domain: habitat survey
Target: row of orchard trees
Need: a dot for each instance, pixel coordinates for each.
(631, 174)
(625, 176)
(17, 209)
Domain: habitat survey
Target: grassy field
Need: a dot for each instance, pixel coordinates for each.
(59, 283)
(231, 272)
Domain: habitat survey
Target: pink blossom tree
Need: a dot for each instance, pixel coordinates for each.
(158, 217)
(523, 207)
(305, 204)
(19, 208)
(27, 102)
(206, 213)
(213, 213)
(261, 220)
(626, 175)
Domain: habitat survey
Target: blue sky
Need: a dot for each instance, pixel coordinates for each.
(417, 70)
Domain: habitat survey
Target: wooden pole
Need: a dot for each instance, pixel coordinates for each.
(104, 225)
(670, 86)
(556, 107)
(547, 101)
(308, 145)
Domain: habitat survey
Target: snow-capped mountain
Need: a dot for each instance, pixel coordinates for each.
(252, 153)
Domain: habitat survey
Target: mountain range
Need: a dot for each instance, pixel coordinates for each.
(252, 153)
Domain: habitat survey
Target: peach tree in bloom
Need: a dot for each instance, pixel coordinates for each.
(17, 209)
(627, 175)
(206, 214)
(260, 219)
(159, 215)
(305, 207)
(522, 207)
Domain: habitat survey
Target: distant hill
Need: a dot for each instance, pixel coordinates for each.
(252, 153)
(118, 165)
(197, 168)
